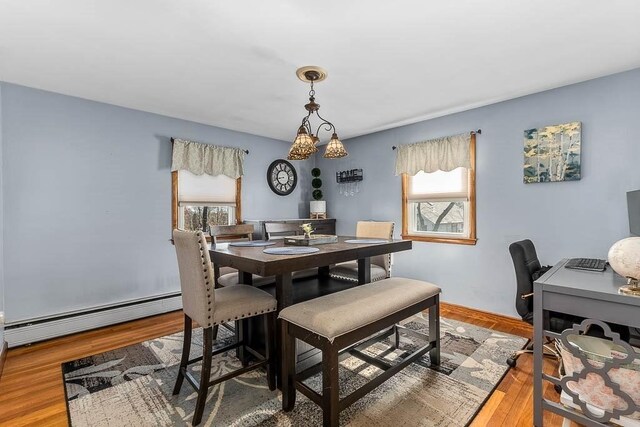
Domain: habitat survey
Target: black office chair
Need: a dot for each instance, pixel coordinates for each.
(528, 270)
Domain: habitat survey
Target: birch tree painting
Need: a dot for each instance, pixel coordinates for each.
(552, 153)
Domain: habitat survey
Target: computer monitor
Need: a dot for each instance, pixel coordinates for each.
(633, 205)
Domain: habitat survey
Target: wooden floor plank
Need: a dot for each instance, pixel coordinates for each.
(32, 393)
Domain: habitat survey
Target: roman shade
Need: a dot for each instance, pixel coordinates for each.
(199, 159)
(205, 189)
(440, 154)
(439, 186)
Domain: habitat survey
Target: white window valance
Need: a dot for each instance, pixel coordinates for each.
(440, 154)
(199, 159)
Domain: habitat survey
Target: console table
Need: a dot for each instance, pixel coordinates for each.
(588, 294)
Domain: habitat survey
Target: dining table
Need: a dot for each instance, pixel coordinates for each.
(253, 260)
(250, 260)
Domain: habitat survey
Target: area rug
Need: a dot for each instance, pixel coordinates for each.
(132, 386)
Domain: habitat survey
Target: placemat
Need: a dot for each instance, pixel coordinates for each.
(291, 251)
(362, 241)
(252, 243)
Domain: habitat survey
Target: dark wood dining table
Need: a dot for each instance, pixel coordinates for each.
(252, 260)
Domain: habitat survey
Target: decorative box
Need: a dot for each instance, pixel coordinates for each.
(316, 239)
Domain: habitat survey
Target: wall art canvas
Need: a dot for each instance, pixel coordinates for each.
(552, 153)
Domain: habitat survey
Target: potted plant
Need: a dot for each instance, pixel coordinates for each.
(317, 206)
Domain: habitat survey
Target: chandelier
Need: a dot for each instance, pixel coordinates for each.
(306, 141)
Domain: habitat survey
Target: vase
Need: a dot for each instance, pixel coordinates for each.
(318, 206)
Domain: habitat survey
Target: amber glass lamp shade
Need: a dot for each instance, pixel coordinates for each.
(303, 146)
(335, 149)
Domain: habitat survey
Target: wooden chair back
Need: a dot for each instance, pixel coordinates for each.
(278, 230)
(230, 233)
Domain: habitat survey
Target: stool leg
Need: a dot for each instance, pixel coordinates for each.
(396, 338)
(288, 369)
(330, 390)
(434, 332)
(270, 344)
(186, 348)
(207, 349)
(240, 337)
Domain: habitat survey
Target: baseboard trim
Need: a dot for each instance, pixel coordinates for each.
(496, 317)
(44, 329)
(3, 356)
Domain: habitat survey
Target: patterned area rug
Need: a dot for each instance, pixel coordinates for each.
(132, 386)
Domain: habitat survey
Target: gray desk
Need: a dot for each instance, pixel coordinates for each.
(593, 295)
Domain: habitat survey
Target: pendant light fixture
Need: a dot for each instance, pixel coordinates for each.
(306, 141)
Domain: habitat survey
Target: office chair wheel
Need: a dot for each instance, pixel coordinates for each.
(512, 361)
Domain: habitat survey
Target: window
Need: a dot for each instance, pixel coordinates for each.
(440, 206)
(200, 201)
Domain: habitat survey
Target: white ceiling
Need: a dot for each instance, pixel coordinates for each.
(232, 63)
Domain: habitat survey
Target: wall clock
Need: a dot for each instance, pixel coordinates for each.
(282, 177)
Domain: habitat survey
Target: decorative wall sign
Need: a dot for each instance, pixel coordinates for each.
(552, 153)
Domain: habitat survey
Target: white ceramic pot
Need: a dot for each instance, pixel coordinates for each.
(624, 257)
(318, 206)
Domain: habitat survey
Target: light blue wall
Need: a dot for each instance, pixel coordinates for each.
(569, 219)
(87, 192)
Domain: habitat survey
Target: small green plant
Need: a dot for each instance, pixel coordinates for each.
(316, 183)
(307, 229)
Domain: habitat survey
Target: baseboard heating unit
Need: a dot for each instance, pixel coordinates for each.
(31, 331)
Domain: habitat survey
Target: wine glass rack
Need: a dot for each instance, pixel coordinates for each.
(353, 175)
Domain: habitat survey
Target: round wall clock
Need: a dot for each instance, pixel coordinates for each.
(282, 177)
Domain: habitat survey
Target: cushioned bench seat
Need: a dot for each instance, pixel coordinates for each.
(350, 321)
(336, 314)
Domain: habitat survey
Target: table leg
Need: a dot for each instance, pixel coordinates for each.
(538, 326)
(245, 278)
(284, 295)
(242, 326)
(364, 271)
(323, 272)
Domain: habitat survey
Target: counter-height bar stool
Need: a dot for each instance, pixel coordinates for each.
(227, 276)
(380, 265)
(210, 307)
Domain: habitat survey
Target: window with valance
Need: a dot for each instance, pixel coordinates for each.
(438, 189)
(206, 185)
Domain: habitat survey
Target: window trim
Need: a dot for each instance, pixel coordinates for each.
(174, 201)
(472, 239)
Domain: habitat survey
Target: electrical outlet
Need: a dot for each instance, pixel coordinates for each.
(1, 317)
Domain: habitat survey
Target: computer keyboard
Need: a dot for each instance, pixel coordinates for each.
(591, 264)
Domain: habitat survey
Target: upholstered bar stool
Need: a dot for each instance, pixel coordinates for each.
(210, 307)
(227, 276)
(380, 265)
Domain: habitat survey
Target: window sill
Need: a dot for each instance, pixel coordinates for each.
(433, 239)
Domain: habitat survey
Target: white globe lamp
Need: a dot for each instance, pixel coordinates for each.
(624, 258)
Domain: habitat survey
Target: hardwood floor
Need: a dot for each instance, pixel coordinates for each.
(31, 389)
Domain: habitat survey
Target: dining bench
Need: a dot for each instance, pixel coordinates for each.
(345, 323)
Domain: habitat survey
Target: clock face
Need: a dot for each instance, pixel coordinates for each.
(282, 177)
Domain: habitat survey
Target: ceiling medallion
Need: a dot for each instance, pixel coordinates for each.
(306, 141)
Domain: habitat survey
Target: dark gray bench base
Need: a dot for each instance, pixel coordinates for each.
(351, 344)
